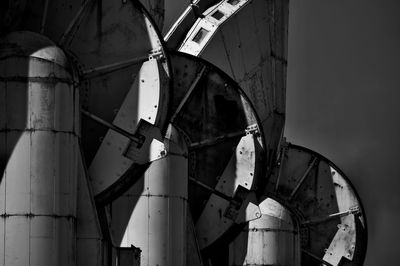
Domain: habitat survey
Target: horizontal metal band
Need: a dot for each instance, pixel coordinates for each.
(33, 215)
(6, 130)
(271, 230)
(159, 196)
(45, 79)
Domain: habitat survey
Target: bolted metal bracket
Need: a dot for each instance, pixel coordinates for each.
(156, 54)
(152, 146)
(252, 129)
(243, 207)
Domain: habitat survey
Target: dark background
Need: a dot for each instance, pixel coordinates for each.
(343, 97)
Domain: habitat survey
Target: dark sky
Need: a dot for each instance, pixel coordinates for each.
(343, 98)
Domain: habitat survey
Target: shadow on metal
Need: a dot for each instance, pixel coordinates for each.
(333, 225)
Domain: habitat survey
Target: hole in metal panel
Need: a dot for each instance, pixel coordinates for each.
(233, 2)
(200, 35)
(218, 15)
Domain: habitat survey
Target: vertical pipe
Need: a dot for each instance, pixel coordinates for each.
(158, 209)
(271, 240)
(39, 147)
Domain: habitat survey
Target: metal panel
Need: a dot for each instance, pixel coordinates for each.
(156, 9)
(64, 116)
(271, 240)
(2, 239)
(108, 42)
(42, 172)
(332, 220)
(36, 230)
(16, 241)
(141, 102)
(152, 214)
(16, 179)
(213, 222)
(142, 41)
(214, 116)
(255, 58)
(50, 242)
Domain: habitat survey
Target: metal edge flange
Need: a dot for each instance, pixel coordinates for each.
(329, 211)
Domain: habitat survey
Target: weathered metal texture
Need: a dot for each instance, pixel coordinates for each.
(225, 144)
(190, 11)
(112, 43)
(138, 91)
(156, 9)
(141, 102)
(39, 129)
(248, 40)
(152, 214)
(214, 220)
(271, 240)
(332, 220)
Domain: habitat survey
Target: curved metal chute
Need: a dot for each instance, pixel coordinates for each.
(332, 220)
(225, 146)
(255, 58)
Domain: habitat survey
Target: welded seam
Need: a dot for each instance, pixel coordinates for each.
(271, 230)
(30, 164)
(161, 196)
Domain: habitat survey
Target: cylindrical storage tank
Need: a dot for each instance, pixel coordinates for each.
(39, 115)
(156, 222)
(272, 239)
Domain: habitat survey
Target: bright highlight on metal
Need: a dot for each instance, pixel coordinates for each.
(119, 146)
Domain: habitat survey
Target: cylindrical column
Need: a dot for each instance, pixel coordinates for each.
(39, 113)
(272, 239)
(152, 214)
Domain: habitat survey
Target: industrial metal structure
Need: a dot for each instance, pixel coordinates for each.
(120, 146)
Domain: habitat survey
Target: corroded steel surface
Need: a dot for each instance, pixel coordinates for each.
(260, 241)
(187, 200)
(331, 217)
(152, 213)
(224, 152)
(39, 136)
(156, 9)
(248, 40)
(110, 42)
